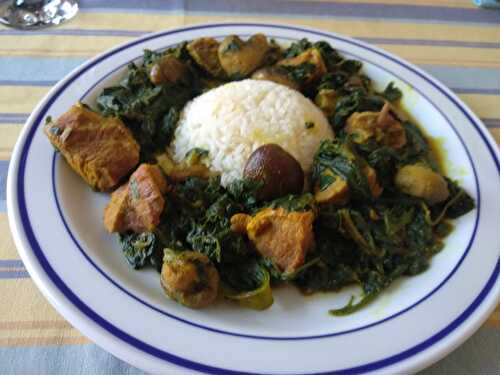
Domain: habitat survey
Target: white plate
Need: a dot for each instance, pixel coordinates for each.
(57, 224)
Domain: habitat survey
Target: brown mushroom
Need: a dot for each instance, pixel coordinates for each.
(422, 182)
(168, 69)
(278, 171)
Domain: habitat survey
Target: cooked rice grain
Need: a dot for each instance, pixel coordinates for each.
(231, 121)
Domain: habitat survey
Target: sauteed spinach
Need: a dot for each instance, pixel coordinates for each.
(375, 234)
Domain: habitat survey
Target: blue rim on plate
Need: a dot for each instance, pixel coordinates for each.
(117, 332)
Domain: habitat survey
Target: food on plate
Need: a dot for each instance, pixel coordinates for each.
(310, 62)
(326, 99)
(277, 171)
(276, 74)
(204, 51)
(168, 70)
(191, 166)
(137, 205)
(232, 120)
(89, 141)
(281, 236)
(189, 278)
(422, 182)
(381, 127)
(241, 58)
(303, 173)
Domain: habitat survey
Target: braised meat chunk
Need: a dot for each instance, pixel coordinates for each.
(205, 52)
(311, 62)
(241, 58)
(101, 150)
(138, 205)
(282, 236)
(381, 127)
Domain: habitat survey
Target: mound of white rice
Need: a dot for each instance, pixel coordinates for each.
(231, 121)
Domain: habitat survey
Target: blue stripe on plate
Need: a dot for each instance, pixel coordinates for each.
(36, 69)
(307, 8)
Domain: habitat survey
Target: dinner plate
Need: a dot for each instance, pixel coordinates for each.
(57, 224)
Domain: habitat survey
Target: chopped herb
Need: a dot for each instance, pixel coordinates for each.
(296, 48)
(309, 125)
(138, 248)
(168, 126)
(300, 73)
(392, 93)
(350, 66)
(291, 202)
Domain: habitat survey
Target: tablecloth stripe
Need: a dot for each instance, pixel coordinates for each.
(85, 48)
(330, 9)
(442, 3)
(69, 359)
(138, 33)
(124, 24)
(356, 28)
(90, 359)
(7, 247)
(38, 69)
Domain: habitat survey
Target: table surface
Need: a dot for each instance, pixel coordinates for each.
(451, 39)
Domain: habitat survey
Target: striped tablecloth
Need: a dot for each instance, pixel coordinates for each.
(451, 39)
